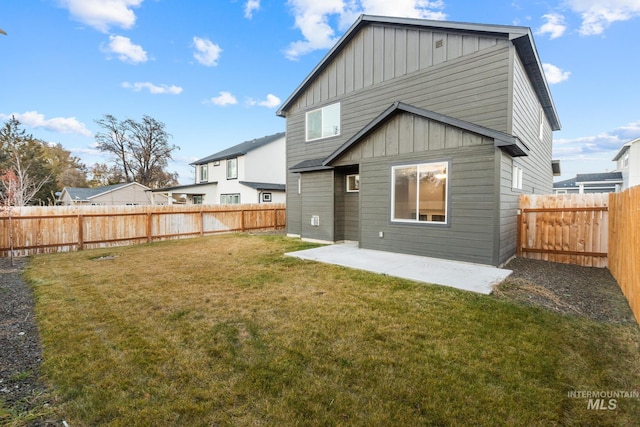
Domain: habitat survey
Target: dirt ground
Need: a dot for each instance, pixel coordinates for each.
(563, 288)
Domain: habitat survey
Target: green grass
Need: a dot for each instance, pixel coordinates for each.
(225, 330)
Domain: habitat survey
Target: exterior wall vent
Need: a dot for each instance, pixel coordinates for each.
(315, 220)
(438, 43)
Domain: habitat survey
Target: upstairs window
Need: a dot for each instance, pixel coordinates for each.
(353, 183)
(323, 122)
(203, 173)
(419, 193)
(232, 168)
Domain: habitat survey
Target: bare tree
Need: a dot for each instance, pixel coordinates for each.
(18, 187)
(115, 141)
(142, 149)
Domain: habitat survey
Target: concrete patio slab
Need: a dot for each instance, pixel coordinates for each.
(462, 275)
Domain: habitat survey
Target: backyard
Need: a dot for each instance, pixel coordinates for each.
(226, 330)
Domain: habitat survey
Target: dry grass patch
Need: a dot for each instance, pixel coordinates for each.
(225, 330)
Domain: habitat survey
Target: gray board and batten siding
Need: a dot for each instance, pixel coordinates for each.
(470, 72)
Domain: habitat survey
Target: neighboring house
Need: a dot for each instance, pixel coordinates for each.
(130, 193)
(606, 182)
(251, 172)
(419, 137)
(628, 163)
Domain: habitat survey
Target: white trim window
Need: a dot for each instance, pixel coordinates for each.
(230, 199)
(323, 122)
(419, 193)
(204, 172)
(232, 168)
(353, 183)
(517, 176)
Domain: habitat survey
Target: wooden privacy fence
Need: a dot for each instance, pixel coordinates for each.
(566, 228)
(46, 229)
(624, 244)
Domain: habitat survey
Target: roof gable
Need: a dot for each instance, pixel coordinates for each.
(509, 143)
(77, 193)
(240, 149)
(521, 38)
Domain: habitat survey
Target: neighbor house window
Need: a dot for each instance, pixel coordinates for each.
(203, 173)
(197, 200)
(266, 197)
(353, 183)
(232, 168)
(419, 192)
(516, 178)
(229, 199)
(323, 122)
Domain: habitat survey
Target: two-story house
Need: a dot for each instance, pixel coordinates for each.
(628, 163)
(253, 171)
(419, 136)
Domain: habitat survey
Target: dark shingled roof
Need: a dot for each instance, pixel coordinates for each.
(260, 186)
(77, 193)
(240, 149)
(603, 177)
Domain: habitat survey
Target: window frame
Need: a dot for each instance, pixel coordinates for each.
(266, 197)
(197, 199)
(417, 221)
(204, 173)
(225, 196)
(517, 175)
(323, 111)
(233, 161)
(356, 177)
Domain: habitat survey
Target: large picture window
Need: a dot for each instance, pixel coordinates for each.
(419, 192)
(323, 122)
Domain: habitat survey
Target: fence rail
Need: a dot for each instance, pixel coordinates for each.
(571, 229)
(32, 230)
(624, 246)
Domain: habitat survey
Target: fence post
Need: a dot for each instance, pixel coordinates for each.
(80, 233)
(242, 220)
(202, 222)
(519, 234)
(149, 227)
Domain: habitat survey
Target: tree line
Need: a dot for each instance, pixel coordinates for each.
(32, 171)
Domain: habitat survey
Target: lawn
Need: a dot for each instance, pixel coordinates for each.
(225, 330)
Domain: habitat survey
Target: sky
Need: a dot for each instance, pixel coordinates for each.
(216, 71)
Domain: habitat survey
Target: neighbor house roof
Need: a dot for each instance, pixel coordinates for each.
(183, 188)
(590, 178)
(77, 193)
(521, 38)
(240, 149)
(261, 186)
(624, 149)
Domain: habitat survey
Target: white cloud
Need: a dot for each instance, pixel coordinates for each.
(224, 98)
(249, 7)
(597, 15)
(554, 74)
(313, 18)
(207, 53)
(33, 119)
(125, 50)
(102, 14)
(555, 25)
(271, 101)
(153, 89)
(601, 146)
